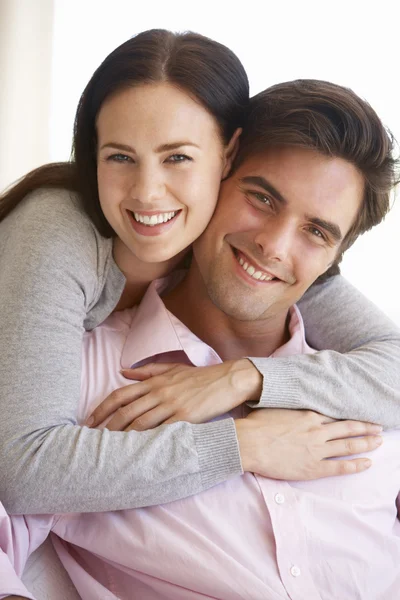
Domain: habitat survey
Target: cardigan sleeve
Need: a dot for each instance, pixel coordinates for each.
(49, 279)
(356, 376)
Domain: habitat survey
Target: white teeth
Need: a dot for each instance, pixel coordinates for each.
(250, 270)
(152, 220)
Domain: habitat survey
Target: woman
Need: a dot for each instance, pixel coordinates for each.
(155, 132)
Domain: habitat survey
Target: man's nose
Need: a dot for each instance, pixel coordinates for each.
(275, 241)
(148, 185)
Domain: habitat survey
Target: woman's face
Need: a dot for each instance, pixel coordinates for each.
(160, 164)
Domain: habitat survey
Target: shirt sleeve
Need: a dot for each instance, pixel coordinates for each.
(49, 464)
(357, 376)
(10, 583)
(19, 537)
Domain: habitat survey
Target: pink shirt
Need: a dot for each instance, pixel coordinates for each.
(250, 538)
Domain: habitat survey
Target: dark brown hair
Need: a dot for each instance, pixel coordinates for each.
(333, 120)
(207, 70)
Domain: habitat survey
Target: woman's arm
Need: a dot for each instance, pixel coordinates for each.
(357, 378)
(49, 464)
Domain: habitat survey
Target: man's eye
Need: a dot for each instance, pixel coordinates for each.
(178, 158)
(119, 158)
(316, 232)
(262, 198)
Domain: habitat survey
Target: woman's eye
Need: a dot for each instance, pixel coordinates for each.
(178, 158)
(121, 158)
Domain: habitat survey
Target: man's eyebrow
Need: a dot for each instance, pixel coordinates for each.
(265, 185)
(330, 227)
(162, 148)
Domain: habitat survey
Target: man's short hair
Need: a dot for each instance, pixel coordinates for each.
(334, 121)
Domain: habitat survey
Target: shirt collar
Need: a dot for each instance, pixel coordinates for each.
(155, 331)
(297, 343)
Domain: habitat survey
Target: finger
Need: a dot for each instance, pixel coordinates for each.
(115, 400)
(127, 414)
(343, 429)
(171, 420)
(150, 419)
(149, 370)
(352, 445)
(325, 420)
(333, 468)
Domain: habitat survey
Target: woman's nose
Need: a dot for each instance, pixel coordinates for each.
(148, 186)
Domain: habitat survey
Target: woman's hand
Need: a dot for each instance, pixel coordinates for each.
(176, 392)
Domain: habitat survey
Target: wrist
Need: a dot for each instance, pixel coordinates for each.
(247, 379)
(243, 433)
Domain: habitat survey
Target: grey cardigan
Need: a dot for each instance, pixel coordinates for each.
(58, 278)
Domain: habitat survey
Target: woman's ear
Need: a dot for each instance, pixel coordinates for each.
(230, 152)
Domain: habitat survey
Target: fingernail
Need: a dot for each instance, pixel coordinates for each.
(378, 441)
(90, 421)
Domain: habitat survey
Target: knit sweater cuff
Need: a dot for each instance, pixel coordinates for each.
(279, 384)
(218, 451)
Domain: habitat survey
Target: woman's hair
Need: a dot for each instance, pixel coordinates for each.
(334, 121)
(206, 70)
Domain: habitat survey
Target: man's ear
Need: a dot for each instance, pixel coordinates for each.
(230, 152)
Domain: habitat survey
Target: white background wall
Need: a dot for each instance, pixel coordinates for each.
(351, 42)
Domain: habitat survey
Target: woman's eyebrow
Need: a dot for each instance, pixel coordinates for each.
(117, 146)
(174, 146)
(162, 148)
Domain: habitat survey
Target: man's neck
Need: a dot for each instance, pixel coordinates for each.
(229, 337)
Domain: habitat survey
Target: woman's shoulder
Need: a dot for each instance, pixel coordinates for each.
(54, 210)
(51, 230)
(55, 219)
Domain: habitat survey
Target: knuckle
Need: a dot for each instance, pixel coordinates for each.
(140, 424)
(124, 411)
(358, 427)
(350, 446)
(354, 426)
(116, 397)
(346, 467)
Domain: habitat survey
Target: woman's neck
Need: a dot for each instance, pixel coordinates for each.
(139, 274)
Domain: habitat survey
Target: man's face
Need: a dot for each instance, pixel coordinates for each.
(278, 226)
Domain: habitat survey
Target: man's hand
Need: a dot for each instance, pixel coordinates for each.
(294, 444)
(176, 392)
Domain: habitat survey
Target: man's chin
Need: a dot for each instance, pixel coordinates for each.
(237, 306)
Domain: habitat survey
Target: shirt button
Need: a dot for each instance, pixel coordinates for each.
(279, 498)
(295, 571)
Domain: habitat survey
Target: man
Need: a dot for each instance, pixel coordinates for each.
(314, 171)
